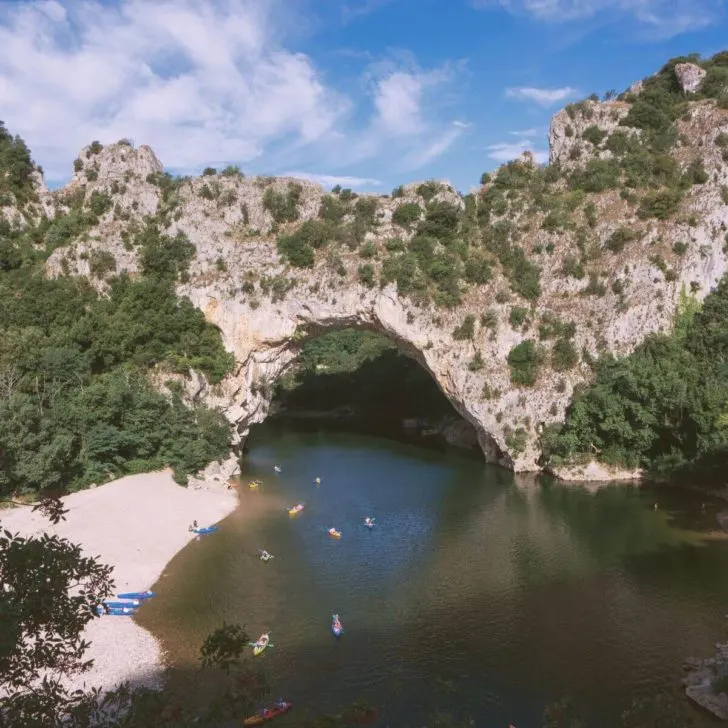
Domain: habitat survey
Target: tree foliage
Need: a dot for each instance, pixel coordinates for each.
(665, 406)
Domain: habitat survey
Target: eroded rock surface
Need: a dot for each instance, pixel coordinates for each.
(264, 307)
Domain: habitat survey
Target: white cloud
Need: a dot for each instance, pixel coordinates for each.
(331, 180)
(527, 132)
(541, 96)
(201, 83)
(438, 146)
(506, 151)
(662, 18)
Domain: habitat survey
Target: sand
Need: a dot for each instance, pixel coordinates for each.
(136, 524)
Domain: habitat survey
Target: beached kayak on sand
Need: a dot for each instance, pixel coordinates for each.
(123, 605)
(206, 529)
(280, 708)
(116, 611)
(137, 595)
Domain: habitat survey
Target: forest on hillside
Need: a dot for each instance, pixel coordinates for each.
(76, 406)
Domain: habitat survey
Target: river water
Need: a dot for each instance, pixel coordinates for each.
(477, 593)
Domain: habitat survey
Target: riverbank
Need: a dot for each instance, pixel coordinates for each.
(137, 525)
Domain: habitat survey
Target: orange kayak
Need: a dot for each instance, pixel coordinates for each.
(280, 708)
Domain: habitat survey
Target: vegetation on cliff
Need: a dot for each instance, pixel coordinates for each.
(75, 403)
(664, 407)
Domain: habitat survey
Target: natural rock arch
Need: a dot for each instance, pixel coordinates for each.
(635, 268)
(266, 341)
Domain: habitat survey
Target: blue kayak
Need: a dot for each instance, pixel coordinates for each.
(137, 595)
(207, 529)
(121, 605)
(116, 612)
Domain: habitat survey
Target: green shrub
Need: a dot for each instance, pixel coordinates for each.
(95, 147)
(564, 355)
(518, 316)
(695, 173)
(594, 287)
(209, 172)
(99, 203)
(476, 363)
(573, 267)
(206, 193)
(442, 221)
(524, 361)
(477, 269)
(395, 245)
(366, 274)
(427, 190)
(298, 248)
(406, 214)
(597, 175)
(489, 319)
(232, 170)
(466, 330)
(332, 209)
(661, 204)
(619, 238)
(101, 262)
(679, 248)
(283, 206)
(594, 135)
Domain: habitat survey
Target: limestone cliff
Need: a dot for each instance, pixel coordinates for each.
(599, 261)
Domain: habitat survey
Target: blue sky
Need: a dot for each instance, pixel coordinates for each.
(366, 93)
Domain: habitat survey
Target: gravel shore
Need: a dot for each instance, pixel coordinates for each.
(136, 524)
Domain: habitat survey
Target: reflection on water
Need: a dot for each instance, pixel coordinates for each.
(473, 593)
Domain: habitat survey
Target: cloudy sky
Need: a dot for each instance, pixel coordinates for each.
(366, 93)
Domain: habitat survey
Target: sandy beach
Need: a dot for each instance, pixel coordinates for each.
(136, 524)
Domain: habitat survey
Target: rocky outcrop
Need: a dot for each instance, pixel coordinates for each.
(689, 76)
(265, 308)
(596, 472)
(706, 680)
(568, 146)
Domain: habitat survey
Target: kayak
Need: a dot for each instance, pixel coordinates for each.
(262, 643)
(137, 595)
(369, 522)
(280, 708)
(296, 509)
(317, 481)
(336, 626)
(116, 612)
(254, 485)
(334, 533)
(206, 529)
(123, 605)
(276, 468)
(265, 556)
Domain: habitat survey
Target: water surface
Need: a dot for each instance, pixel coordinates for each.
(475, 593)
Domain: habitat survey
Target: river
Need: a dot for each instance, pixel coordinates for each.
(477, 592)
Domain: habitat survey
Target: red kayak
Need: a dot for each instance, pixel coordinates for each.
(280, 708)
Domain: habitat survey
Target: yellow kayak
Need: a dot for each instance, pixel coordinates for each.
(334, 533)
(254, 484)
(261, 645)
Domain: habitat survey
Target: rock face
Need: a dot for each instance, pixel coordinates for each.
(265, 308)
(689, 76)
(706, 680)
